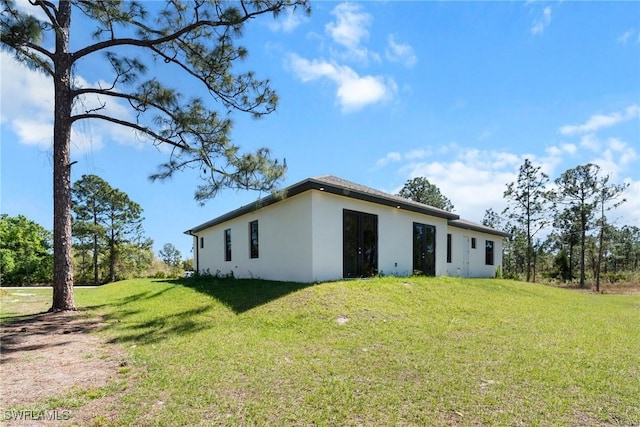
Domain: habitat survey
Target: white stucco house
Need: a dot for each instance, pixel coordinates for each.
(328, 228)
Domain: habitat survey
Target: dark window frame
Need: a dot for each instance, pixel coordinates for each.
(489, 252)
(201, 242)
(473, 243)
(449, 248)
(359, 244)
(227, 244)
(254, 240)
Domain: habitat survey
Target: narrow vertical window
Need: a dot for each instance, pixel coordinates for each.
(202, 242)
(253, 239)
(449, 247)
(473, 243)
(488, 257)
(227, 244)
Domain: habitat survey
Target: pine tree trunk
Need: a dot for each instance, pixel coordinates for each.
(63, 298)
(95, 250)
(112, 259)
(583, 240)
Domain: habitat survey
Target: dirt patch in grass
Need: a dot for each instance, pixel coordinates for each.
(53, 366)
(631, 287)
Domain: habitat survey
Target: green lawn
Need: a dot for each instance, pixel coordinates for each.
(390, 351)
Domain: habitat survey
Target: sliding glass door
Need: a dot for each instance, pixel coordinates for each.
(360, 244)
(424, 249)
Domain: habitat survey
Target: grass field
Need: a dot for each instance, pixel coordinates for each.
(388, 351)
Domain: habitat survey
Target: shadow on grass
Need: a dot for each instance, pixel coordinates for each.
(121, 302)
(241, 295)
(161, 327)
(132, 322)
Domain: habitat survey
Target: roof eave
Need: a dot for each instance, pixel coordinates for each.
(481, 229)
(314, 184)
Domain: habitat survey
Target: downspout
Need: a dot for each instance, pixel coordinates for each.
(196, 251)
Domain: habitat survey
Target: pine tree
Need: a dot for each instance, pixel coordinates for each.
(198, 38)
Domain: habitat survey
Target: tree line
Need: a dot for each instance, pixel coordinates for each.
(562, 230)
(565, 229)
(109, 242)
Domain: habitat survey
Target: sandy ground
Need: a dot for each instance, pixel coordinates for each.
(52, 355)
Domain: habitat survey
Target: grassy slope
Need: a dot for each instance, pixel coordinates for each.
(415, 351)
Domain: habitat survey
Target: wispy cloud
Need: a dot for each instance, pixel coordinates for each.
(400, 52)
(27, 110)
(288, 22)
(353, 90)
(475, 179)
(345, 42)
(391, 157)
(628, 35)
(600, 121)
(541, 24)
(350, 29)
(27, 103)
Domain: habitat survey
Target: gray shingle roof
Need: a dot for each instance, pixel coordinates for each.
(469, 225)
(342, 187)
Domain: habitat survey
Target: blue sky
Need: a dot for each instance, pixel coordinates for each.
(378, 93)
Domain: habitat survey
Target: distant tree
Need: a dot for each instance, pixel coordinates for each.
(566, 222)
(187, 264)
(609, 197)
(561, 266)
(576, 190)
(492, 219)
(422, 191)
(124, 225)
(108, 216)
(135, 257)
(90, 204)
(170, 255)
(195, 40)
(626, 248)
(25, 251)
(528, 206)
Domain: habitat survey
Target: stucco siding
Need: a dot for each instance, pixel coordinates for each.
(395, 236)
(300, 237)
(284, 251)
(467, 261)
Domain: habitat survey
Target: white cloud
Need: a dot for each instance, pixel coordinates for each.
(25, 6)
(629, 212)
(389, 158)
(614, 156)
(33, 132)
(350, 31)
(400, 52)
(475, 179)
(27, 102)
(353, 91)
(27, 110)
(624, 38)
(289, 21)
(394, 156)
(539, 25)
(600, 121)
(570, 148)
(351, 27)
(560, 150)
